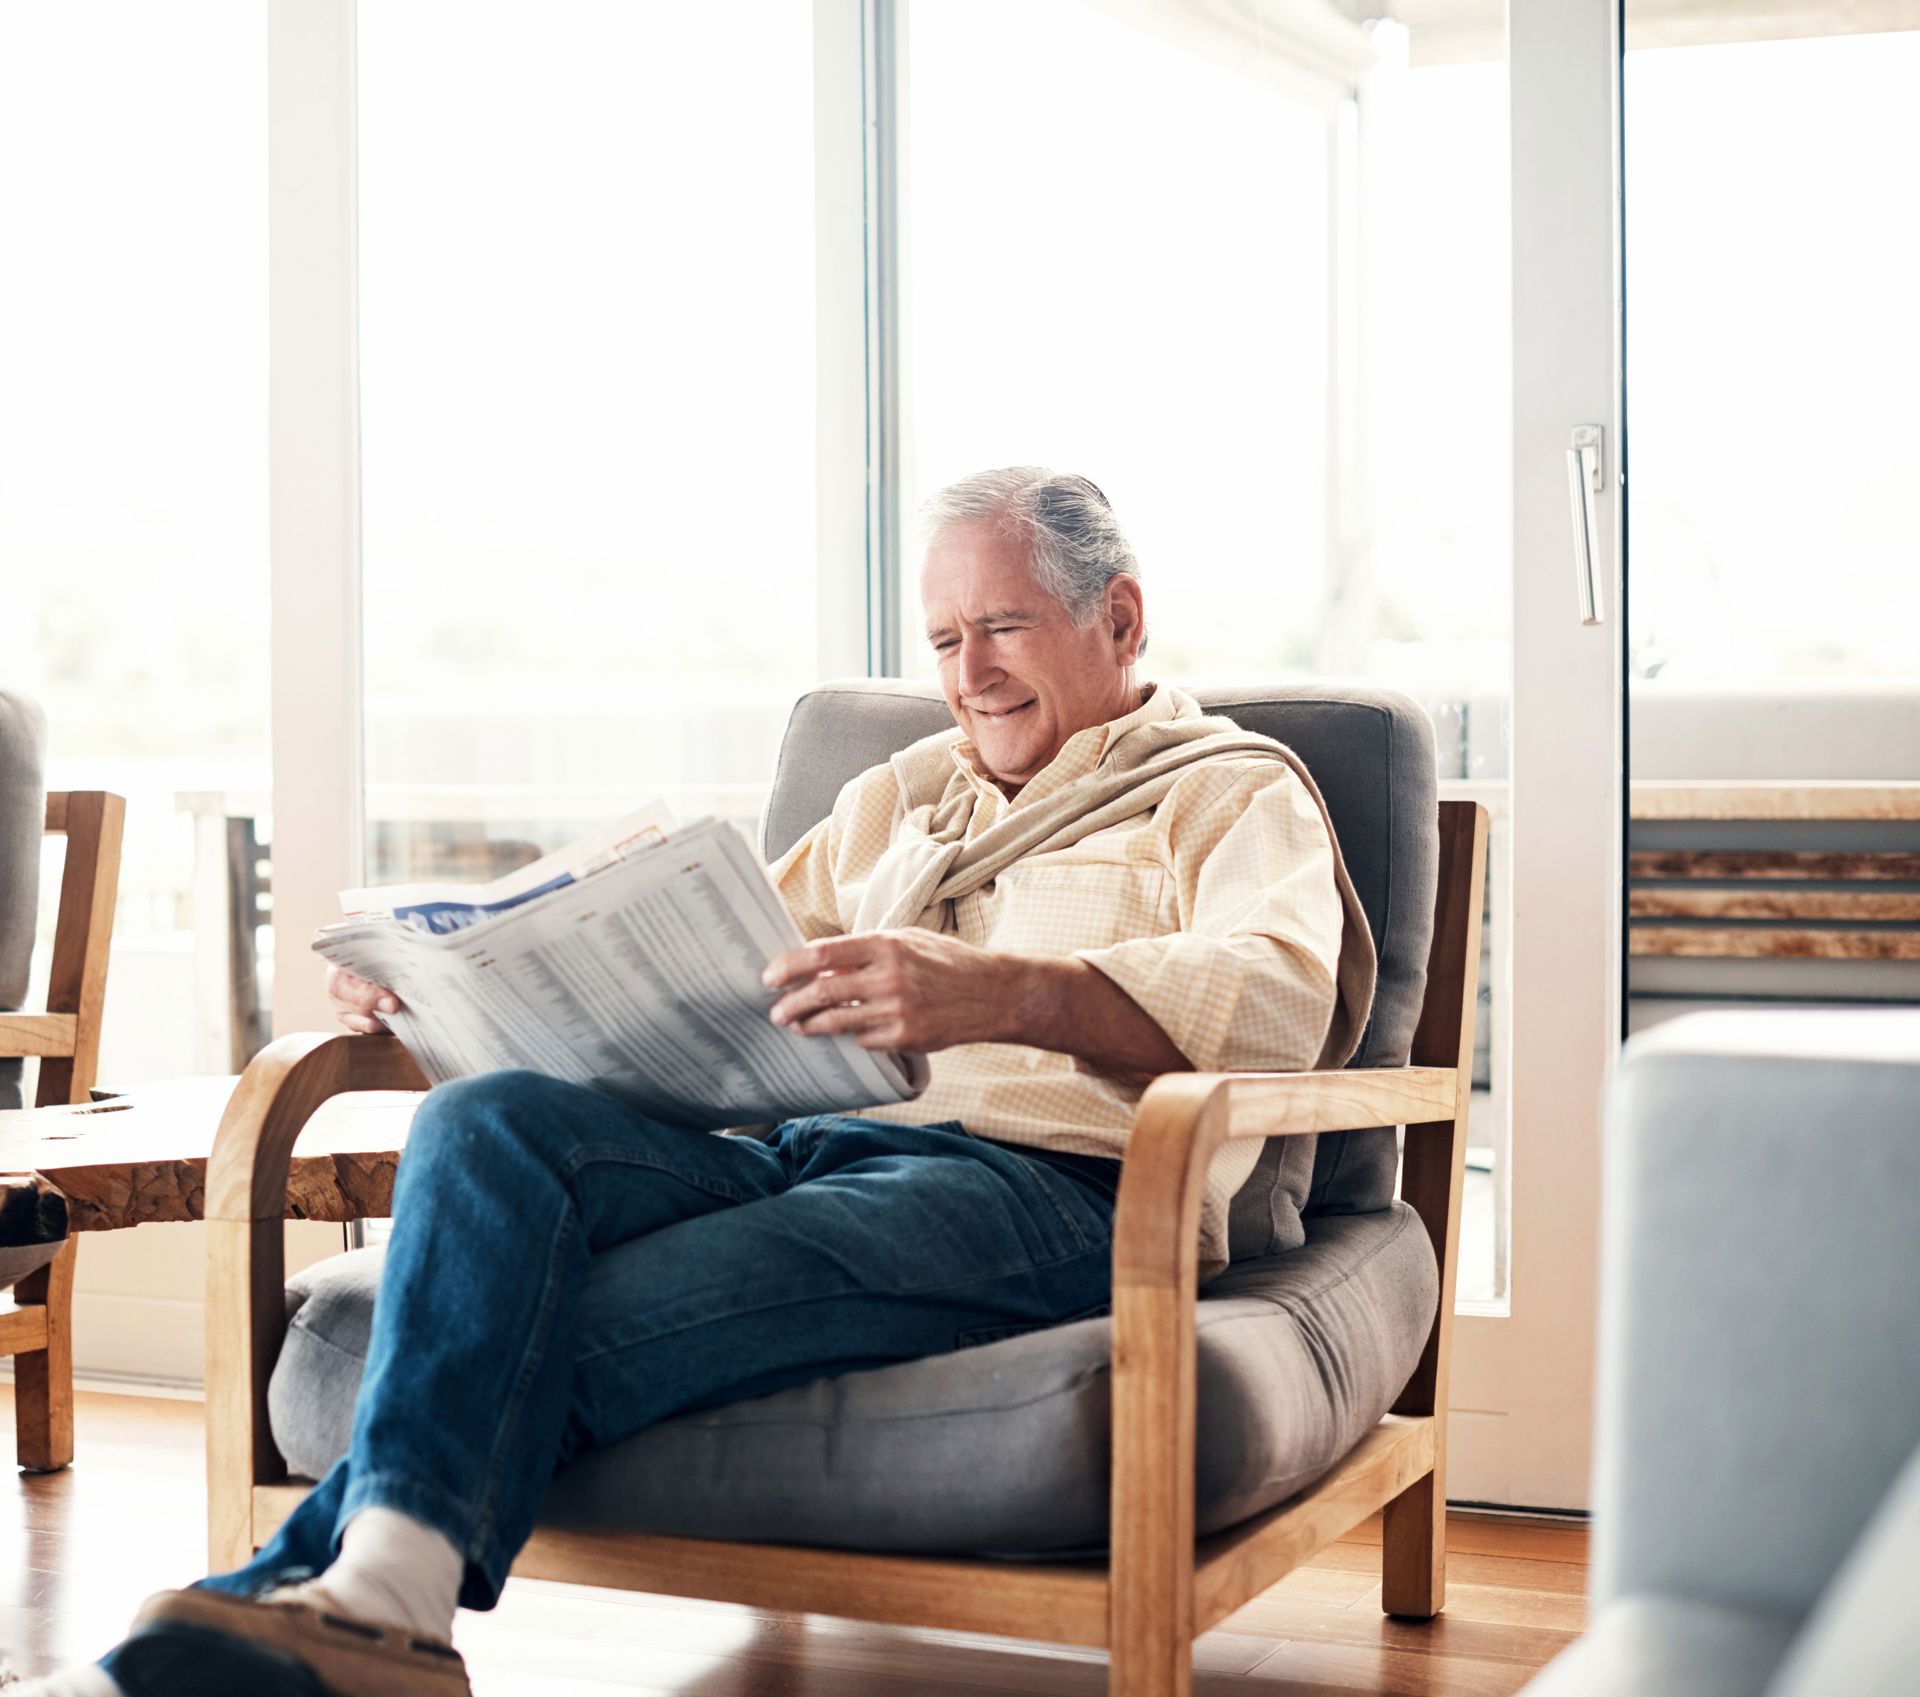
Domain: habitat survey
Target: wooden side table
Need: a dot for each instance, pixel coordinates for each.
(141, 1158)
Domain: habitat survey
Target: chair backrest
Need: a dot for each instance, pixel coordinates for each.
(66, 1036)
(1371, 752)
(23, 812)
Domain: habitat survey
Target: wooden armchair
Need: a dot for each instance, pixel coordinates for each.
(38, 1333)
(1160, 1586)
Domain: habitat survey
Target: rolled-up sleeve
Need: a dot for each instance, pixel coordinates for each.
(1248, 981)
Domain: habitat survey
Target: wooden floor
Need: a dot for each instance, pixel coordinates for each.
(80, 1549)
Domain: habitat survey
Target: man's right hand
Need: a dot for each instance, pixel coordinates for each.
(358, 1000)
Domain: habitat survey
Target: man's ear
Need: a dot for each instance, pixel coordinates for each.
(1127, 618)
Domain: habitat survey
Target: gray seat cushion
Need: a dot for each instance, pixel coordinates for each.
(1371, 753)
(23, 819)
(999, 1448)
(1672, 1646)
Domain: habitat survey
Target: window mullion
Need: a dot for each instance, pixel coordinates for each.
(314, 487)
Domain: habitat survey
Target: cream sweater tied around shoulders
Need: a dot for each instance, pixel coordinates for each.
(1189, 860)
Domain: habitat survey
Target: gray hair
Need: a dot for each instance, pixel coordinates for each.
(1074, 543)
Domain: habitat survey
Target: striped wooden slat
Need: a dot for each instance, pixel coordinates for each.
(1773, 902)
(1837, 866)
(1799, 799)
(49, 1034)
(1771, 943)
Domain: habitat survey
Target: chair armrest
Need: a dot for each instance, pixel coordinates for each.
(276, 1096)
(1286, 1104)
(1185, 1117)
(1180, 1123)
(246, 1200)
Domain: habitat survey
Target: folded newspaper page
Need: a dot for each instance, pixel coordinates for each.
(452, 907)
(631, 961)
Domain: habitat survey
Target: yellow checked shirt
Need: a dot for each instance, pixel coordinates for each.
(1217, 911)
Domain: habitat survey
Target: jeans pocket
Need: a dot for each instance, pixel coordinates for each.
(1085, 1217)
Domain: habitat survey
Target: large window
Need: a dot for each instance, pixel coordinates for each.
(1118, 265)
(133, 492)
(1427, 595)
(1772, 263)
(587, 370)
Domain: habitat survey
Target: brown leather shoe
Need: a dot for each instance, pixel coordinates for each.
(353, 1657)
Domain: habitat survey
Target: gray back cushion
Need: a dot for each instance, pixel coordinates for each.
(23, 819)
(1371, 752)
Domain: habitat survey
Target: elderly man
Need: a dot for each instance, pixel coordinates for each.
(1090, 883)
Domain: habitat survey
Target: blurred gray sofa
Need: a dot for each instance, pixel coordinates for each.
(1757, 1486)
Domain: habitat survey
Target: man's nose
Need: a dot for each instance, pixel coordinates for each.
(978, 670)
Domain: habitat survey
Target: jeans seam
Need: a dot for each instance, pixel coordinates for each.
(1042, 1176)
(839, 1296)
(615, 1154)
(583, 1156)
(980, 1336)
(488, 1506)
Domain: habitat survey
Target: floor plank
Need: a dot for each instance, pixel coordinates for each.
(80, 1549)
(1476, 1534)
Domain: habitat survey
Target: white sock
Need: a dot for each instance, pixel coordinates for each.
(396, 1570)
(88, 1681)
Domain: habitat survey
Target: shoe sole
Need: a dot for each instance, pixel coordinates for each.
(346, 1657)
(194, 1661)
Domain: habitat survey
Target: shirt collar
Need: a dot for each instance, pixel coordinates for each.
(1082, 752)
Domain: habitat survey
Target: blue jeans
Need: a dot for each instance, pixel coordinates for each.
(565, 1271)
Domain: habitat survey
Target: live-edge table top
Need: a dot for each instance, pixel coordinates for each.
(142, 1157)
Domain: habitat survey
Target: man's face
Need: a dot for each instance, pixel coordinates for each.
(1020, 676)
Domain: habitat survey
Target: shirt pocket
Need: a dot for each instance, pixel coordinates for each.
(1053, 907)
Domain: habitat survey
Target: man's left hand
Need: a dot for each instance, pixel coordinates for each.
(915, 991)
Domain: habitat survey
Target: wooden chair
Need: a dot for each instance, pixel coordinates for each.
(66, 1038)
(1160, 1587)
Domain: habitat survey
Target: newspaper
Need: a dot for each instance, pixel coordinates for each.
(452, 907)
(630, 961)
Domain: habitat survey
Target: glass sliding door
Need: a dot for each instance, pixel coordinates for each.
(1424, 562)
(587, 372)
(1302, 295)
(1772, 257)
(1126, 273)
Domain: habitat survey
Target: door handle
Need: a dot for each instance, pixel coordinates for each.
(1585, 473)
